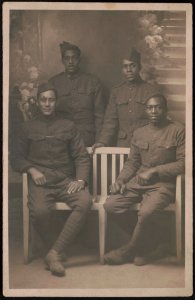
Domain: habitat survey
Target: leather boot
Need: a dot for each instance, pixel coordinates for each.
(53, 262)
(119, 256)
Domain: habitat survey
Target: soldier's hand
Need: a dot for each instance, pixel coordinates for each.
(37, 176)
(144, 178)
(97, 145)
(75, 186)
(117, 187)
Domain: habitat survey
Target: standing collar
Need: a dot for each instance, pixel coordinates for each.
(73, 76)
(135, 82)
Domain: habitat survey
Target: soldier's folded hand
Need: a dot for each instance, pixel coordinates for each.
(97, 145)
(37, 176)
(117, 187)
(144, 178)
(75, 186)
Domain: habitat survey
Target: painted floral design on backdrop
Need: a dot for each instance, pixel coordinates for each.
(25, 68)
(151, 44)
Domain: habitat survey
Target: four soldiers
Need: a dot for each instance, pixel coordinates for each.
(51, 149)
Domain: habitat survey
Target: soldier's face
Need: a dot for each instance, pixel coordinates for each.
(130, 69)
(47, 103)
(156, 110)
(71, 61)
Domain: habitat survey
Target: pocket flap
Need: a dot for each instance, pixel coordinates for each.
(167, 145)
(142, 145)
(86, 91)
(36, 137)
(122, 101)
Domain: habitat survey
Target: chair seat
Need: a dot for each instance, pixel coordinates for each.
(98, 202)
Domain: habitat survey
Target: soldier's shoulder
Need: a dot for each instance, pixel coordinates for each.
(176, 125)
(119, 85)
(141, 130)
(56, 77)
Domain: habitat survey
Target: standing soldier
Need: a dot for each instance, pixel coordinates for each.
(80, 95)
(125, 111)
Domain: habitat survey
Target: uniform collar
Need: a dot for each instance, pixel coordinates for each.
(161, 125)
(133, 83)
(73, 76)
(47, 119)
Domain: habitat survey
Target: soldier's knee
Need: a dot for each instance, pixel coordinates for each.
(84, 201)
(109, 206)
(39, 213)
(144, 214)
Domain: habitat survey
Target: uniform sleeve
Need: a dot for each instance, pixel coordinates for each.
(172, 169)
(131, 165)
(99, 108)
(80, 156)
(19, 153)
(110, 124)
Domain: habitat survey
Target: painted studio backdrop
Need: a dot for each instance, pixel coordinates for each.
(103, 37)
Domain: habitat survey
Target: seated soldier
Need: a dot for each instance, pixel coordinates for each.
(52, 152)
(149, 175)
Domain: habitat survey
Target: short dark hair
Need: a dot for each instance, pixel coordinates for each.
(44, 87)
(159, 96)
(64, 46)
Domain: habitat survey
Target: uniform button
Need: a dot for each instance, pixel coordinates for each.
(129, 99)
(130, 110)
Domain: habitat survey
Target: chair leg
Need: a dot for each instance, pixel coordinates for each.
(102, 232)
(26, 230)
(178, 233)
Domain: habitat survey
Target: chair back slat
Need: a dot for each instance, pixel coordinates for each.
(104, 174)
(107, 164)
(95, 174)
(113, 168)
(121, 161)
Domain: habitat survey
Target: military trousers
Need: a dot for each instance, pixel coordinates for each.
(152, 199)
(41, 202)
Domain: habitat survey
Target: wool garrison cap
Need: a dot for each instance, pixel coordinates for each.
(44, 87)
(133, 55)
(64, 46)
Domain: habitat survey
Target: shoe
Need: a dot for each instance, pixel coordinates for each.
(118, 257)
(53, 262)
(140, 260)
(160, 252)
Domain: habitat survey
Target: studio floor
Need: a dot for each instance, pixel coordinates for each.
(83, 270)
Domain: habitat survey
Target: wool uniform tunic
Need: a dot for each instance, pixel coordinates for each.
(80, 100)
(125, 111)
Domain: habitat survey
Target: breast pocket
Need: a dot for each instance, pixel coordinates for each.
(37, 143)
(143, 149)
(85, 97)
(167, 151)
(122, 107)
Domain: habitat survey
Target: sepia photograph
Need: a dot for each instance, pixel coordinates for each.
(97, 149)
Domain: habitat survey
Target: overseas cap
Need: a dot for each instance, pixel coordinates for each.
(64, 46)
(133, 55)
(44, 87)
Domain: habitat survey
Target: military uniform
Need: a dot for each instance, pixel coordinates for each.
(125, 111)
(162, 148)
(53, 146)
(80, 100)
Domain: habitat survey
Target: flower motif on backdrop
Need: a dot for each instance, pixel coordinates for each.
(151, 44)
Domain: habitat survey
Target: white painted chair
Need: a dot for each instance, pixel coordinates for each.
(107, 164)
